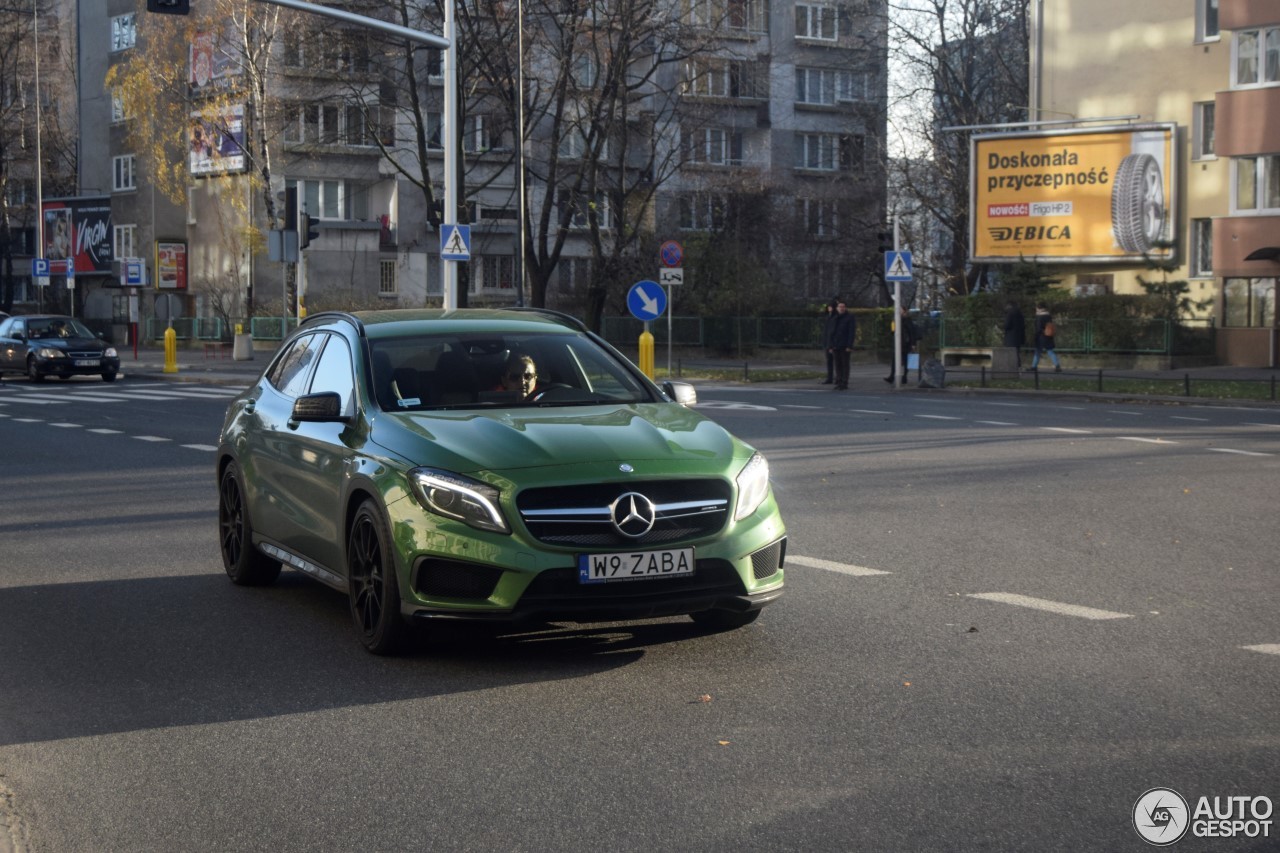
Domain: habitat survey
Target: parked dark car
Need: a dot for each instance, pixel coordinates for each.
(41, 345)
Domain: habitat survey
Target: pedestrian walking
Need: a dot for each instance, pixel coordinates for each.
(828, 322)
(910, 336)
(843, 331)
(1015, 330)
(1045, 333)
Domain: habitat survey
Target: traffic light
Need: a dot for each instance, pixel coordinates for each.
(884, 240)
(169, 7)
(308, 230)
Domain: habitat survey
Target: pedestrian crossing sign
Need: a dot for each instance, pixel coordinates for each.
(455, 242)
(897, 266)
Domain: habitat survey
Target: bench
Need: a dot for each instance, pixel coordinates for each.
(999, 359)
(217, 349)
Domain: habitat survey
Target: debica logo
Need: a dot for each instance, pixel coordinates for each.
(1161, 816)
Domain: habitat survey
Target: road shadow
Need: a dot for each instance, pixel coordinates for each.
(86, 659)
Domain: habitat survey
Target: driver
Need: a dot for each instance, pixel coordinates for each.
(519, 375)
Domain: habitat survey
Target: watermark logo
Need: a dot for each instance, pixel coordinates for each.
(1161, 817)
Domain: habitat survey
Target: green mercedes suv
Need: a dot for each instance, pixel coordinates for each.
(493, 466)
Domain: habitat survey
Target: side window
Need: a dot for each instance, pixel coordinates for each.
(289, 376)
(333, 372)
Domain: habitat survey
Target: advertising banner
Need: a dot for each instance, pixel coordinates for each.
(211, 66)
(217, 140)
(171, 265)
(1100, 195)
(79, 228)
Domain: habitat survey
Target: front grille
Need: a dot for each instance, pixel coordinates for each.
(449, 579)
(85, 354)
(579, 516)
(767, 562)
(557, 592)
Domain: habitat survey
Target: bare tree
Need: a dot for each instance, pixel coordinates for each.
(958, 63)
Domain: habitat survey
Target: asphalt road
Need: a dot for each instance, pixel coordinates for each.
(1006, 620)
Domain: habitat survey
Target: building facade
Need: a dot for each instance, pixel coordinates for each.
(1211, 67)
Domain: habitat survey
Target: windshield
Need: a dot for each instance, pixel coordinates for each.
(57, 327)
(486, 370)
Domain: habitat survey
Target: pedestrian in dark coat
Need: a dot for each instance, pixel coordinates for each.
(843, 331)
(828, 322)
(1015, 329)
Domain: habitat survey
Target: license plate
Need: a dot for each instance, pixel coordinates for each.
(635, 565)
(88, 362)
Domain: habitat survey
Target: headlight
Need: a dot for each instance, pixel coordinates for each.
(109, 352)
(461, 498)
(753, 486)
(50, 352)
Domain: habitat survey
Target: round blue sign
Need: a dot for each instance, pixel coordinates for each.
(671, 253)
(646, 300)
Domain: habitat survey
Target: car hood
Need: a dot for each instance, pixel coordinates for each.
(506, 439)
(69, 344)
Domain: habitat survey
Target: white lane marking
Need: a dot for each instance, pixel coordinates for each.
(797, 406)
(1237, 452)
(150, 396)
(1118, 412)
(842, 568)
(726, 404)
(208, 447)
(28, 420)
(151, 438)
(1051, 606)
(2, 415)
(1252, 423)
(105, 431)
(1265, 648)
(939, 417)
(1066, 429)
(998, 423)
(871, 412)
(1069, 408)
(1011, 405)
(1146, 440)
(31, 398)
(1183, 418)
(66, 426)
(171, 392)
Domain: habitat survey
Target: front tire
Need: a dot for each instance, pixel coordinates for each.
(245, 564)
(33, 372)
(372, 589)
(109, 376)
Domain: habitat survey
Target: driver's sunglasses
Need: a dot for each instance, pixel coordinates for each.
(516, 377)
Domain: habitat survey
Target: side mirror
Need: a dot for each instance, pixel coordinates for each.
(681, 392)
(324, 407)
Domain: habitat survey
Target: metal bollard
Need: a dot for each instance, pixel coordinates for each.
(646, 353)
(170, 350)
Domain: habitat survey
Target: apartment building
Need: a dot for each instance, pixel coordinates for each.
(1212, 68)
(780, 114)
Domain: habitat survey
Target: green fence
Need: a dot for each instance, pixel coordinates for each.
(188, 328)
(1142, 337)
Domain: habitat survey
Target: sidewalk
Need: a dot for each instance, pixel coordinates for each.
(864, 378)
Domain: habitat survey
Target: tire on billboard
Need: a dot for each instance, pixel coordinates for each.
(1137, 203)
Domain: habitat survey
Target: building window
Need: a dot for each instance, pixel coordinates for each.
(1206, 20)
(387, 278)
(818, 217)
(816, 21)
(828, 152)
(1201, 248)
(853, 86)
(124, 32)
(702, 212)
(1257, 57)
(435, 125)
(124, 244)
(1257, 184)
(332, 199)
(123, 174)
(815, 86)
(723, 79)
(475, 134)
(497, 273)
(1249, 302)
(117, 109)
(581, 208)
(1202, 131)
(713, 145)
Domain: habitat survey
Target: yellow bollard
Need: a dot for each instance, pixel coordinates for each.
(646, 353)
(170, 351)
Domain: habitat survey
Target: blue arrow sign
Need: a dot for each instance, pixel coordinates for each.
(646, 300)
(455, 242)
(897, 266)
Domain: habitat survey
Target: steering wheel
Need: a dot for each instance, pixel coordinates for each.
(548, 392)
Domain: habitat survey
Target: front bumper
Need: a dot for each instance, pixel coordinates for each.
(65, 367)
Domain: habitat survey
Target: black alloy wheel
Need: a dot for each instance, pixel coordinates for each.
(245, 564)
(373, 592)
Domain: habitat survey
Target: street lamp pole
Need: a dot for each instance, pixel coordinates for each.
(520, 273)
(39, 252)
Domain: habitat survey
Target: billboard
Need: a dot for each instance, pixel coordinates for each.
(217, 140)
(1095, 195)
(79, 228)
(210, 67)
(171, 265)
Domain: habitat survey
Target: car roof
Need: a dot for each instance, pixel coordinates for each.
(402, 322)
